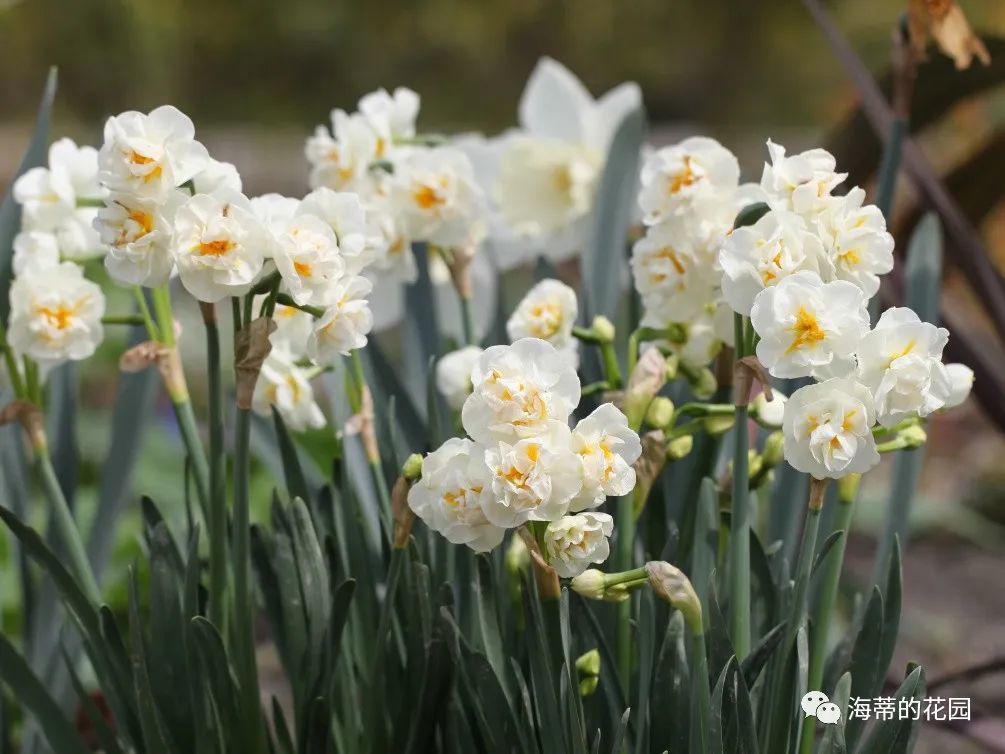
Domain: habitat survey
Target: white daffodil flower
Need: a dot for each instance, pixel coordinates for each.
(607, 447)
(48, 195)
(347, 217)
(761, 255)
(961, 381)
(683, 177)
(34, 250)
(345, 324)
(342, 159)
(308, 259)
(545, 184)
(219, 245)
(702, 338)
(453, 375)
(391, 116)
(283, 384)
(149, 155)
(801, 183)
(674, 267)
(548, 312)
(448, 495)
(55, 315)
(217, 176)
(855, 240)
(274, 211)
(770, 413)
(900, 360)
(574, 543)
(531, 480)
(393, 258)
(828, 429)
(809, 328)
(138, 232)
(436, 194)
(518, 390)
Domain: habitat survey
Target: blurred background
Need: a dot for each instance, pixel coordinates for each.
(257, 76)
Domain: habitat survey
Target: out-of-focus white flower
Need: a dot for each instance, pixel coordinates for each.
(828, 429)
(809, 328)
(674, 269)
(769, 413)
(702, 339)
(392, 117)
(283, 384)
(219, 245)
(342, 159)
(801, 182)
(900, 360)
(436, 194)
(34, 250)
(78, 240)
(55, 315)
(216, 176)
(447, 496)
(548, 312)
(275, 211)
(545, 185)
(138, 233)
(345, 324)
(518, 390)
(307, 257)
(573, 543)
(961, 380)
(533, 479)
(48, 195)
(148, 155)
(681, 178)
(453, 375)
(393, 258)
(346, 215)
(855, 240)
(761, 255)
(607, 447)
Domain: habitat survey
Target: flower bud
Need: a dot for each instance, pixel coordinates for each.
(773, 452)
(603, 328)
(412, 468)
(590, 584)
(755, 464)
(589, 663)
(704, 384)
(588, 685)
(768, 413)
(672, 586)
(673, 366)
(717, 425)
(680, 447)
(913, 437)
(517, 557)
(660, 412)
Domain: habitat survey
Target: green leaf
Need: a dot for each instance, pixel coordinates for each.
(156, 739)
(103, 732)
(488, 618)
(750, 214)
(61, 427)
(706, 525)
(296, 483)
(896, 736)
(754, 662)
(833, 741)
(10, 212)
(865, 673)
(32, 694)
(671, 690)
(832, 539)
(604, 259)
(619, 733)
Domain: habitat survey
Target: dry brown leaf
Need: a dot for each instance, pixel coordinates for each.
(947, 24)
(251, 349)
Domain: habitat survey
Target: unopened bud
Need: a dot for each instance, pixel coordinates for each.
(590, 584)
(913, 437)
(704, 384)
(754, 463)
(660, 412)
(603, 328)
(517, 557)
(680, 448)
(589, 663)
(774, 449)
(768, 413)
(672, 586)
(588, 685)
(716, 425)
(673, 366)
(412, 468)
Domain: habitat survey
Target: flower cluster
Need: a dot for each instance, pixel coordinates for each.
(803, 274)
(524, 464)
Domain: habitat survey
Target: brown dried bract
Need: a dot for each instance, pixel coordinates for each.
(746, 372)
(947, 24)
(251, 349)
(548, 584)
(165, 358)
(403, 516)
(29, 416)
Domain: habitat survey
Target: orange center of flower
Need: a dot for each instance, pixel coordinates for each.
(685, 177)
(427, 197)
(216, 248)
(60, 317)
(303, 269)
(806, 331)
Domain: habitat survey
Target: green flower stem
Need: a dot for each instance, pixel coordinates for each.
(673, 333)
(467, 320)
(623, 561)
(189, 430)
(688, 428)
(65, 524)
(700, 692)
(847, 492)
(880, 431)
(148, 320)
(123, 319)
(739, 536)
(217, 502)
(10, 360)
(165, 319)
(594, 388)
(356, 384)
